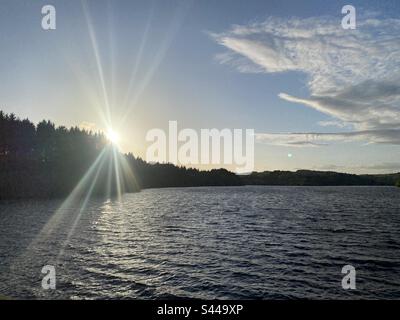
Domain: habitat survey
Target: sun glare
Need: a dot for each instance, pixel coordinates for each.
(112, 136)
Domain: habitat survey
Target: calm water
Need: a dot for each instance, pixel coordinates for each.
(233, 242)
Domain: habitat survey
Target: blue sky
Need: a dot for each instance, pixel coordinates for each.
(219, 64)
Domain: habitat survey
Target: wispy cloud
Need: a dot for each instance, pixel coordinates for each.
(332, 123)
(385, 136)
(353, 75)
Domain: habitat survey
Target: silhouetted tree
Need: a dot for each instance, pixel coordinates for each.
(46, 161)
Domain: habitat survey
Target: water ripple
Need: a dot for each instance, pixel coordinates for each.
(222, 242)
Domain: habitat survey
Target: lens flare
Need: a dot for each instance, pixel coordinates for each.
(112, 136)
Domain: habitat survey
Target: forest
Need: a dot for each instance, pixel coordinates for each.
(45, 161)
(319, 178)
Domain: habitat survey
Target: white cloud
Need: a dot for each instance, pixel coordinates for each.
(384, 136)
(353, 75)
(332, 124)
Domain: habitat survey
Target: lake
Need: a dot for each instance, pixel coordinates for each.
(248, 242)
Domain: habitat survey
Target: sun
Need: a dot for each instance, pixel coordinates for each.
(112, 136)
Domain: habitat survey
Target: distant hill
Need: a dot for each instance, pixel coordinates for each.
(318, 178)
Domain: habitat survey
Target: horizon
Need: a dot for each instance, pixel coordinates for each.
(131, 66)
(89, 131)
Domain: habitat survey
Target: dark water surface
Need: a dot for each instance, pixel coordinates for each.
(219, 242)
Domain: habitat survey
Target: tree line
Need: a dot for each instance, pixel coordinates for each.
(45, 161)
(319, 178)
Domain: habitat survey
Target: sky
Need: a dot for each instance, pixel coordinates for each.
(318, 96)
